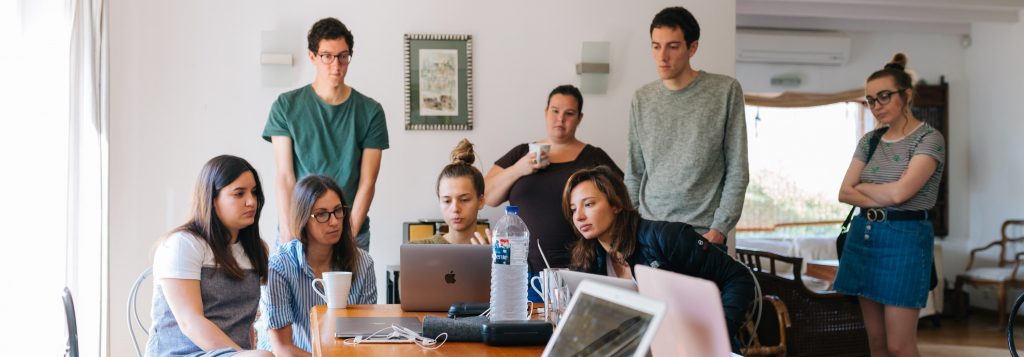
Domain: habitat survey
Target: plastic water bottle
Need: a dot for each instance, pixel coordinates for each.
(508, 267)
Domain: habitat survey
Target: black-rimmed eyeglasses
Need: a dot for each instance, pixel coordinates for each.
(324, 216)
(343, 58)
(883, 97)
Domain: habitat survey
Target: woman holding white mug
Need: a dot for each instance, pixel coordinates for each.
(319, 218)
(533, 180)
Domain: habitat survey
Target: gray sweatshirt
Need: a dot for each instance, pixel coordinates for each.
(688, 152)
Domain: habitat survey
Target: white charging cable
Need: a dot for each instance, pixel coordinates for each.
(758, 307)
(407, 334)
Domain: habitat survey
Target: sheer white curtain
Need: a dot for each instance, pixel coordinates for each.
(33, 179)
(87, 252)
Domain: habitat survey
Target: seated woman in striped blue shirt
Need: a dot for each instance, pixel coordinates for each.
(460, 193)
(319, 218)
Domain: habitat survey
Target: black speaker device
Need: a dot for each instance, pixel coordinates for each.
(517, 333)
(463, 309)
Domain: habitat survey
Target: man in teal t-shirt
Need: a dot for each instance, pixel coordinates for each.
(328, 128)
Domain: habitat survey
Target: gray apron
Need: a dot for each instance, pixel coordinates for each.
(230, 304)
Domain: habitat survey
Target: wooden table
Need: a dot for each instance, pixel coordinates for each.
(824, 269)
(321, 328)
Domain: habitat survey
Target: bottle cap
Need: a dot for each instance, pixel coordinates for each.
(510, 209)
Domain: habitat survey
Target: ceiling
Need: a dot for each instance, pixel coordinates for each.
(924, 16)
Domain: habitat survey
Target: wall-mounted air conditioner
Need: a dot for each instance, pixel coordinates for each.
(792, 47)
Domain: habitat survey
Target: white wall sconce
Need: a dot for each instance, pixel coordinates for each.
(277, 59)
(594, 67)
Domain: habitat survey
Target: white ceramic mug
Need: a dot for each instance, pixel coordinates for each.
(537, 150)
(336, 285)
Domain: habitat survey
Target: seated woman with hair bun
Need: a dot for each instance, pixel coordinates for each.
(460, 193)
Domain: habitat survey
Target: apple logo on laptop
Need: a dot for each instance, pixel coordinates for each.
(450, 277)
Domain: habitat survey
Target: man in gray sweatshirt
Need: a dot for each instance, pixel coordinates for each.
(687, 136)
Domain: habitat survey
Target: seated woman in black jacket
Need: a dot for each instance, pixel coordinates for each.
(615, 239)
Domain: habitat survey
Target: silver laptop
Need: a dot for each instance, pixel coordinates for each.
(573, 279)
(345, 327)
(604, 320)
(434, 276)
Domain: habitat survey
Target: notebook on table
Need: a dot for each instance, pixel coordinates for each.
(345, 326)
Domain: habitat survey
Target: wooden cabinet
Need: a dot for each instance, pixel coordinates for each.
(931, 104)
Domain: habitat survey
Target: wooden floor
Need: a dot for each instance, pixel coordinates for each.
(979, 329)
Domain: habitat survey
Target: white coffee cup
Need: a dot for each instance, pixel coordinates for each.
(537, 149)
(336, 285)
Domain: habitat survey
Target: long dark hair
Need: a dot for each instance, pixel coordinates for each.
(344, 253)
(462, 158)
(624, 226)
(205, 224)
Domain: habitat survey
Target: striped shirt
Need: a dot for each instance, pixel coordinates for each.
(288, 295)
(892, 158)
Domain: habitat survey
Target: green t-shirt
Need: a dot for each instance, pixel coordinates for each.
(329, 139)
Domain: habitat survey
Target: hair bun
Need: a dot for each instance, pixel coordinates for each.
(463, 153)
(899, 62)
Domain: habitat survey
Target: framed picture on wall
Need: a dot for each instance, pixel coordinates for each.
(438, 82)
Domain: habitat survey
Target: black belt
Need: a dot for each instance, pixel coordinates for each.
(882, 215)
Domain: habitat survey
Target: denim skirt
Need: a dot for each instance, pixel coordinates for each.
(888, 262)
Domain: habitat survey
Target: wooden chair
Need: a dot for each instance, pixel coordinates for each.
(770, 336)
(820, 323)
(424, 229)
(1004, 274)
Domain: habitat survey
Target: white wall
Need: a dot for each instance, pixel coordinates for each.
(996, 152)
(185, 86)
(930, 56)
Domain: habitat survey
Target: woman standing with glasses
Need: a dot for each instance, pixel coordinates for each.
(533, 181)
(887, 257)
(207, 272)
(319, 219)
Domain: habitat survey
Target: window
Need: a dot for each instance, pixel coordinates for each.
(798, 157)
(34, 66)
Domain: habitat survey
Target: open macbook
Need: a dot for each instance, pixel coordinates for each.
(695, 323)
(436, 275)
(606, 321)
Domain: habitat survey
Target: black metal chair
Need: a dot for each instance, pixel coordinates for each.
(71, 350)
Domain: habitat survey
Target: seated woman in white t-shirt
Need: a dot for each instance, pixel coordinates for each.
(207, 272)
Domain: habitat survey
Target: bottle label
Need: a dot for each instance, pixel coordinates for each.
(502, 251)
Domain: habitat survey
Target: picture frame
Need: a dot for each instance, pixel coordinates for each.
(438, 82)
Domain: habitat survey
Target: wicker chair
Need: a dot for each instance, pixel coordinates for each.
(821, 324)
(1004, 274)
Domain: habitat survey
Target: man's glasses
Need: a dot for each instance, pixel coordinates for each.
(883, 98)
(324, 216)
(343, 58)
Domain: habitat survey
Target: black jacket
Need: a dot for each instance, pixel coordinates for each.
(678, 248)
